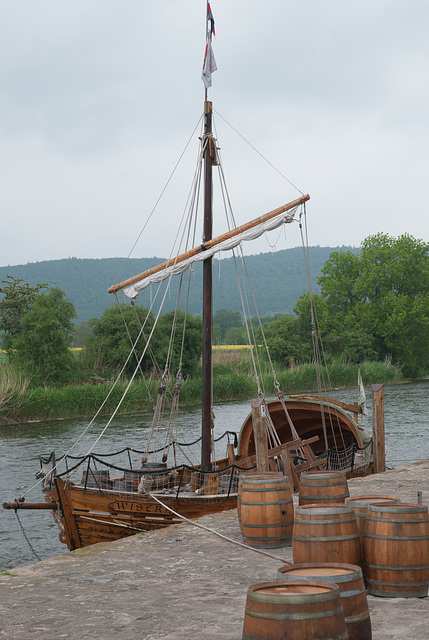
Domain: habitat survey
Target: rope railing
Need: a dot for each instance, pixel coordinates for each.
(173, 479)
(226, 434)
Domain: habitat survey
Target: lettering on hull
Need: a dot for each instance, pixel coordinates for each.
(151, 508)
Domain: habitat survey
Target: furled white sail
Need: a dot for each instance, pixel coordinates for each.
(204, 253)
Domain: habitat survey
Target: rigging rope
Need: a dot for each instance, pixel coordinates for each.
(133, 346)
(90, 424)
(259, 153)
(191, 137)
(318, 346)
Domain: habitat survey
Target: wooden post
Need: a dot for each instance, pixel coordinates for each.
(378, 441)
(231, 454)
(293, 476)
(259, 429)
(356, 412)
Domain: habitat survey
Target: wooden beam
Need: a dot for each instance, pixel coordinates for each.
(52, 506)
(344, 405)
(209, 244)
(231, 453)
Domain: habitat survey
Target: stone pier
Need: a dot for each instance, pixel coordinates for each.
(179, 583)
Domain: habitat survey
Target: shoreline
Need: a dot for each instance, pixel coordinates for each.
(186, 404)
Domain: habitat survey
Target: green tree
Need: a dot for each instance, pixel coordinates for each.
(383, 292)
(313, 315)
(81, 333)
(256, 320)
(226, 319)
(340, 283)
(41, 346)
(354, 344)
(18, 298)
(109, 344)
(284, 341)
(405, 332)
(176, 342)
(236, 335)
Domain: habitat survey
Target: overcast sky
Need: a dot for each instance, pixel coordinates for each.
(99, 98)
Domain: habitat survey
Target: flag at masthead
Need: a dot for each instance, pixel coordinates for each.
(209, 64)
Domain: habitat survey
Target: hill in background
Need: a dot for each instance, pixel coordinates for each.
(278, 279)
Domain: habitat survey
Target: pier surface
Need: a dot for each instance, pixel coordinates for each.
(179, 583)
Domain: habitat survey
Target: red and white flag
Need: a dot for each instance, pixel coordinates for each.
(211, 19)
(209, 64)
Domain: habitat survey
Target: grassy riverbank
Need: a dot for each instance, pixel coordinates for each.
(233, 380)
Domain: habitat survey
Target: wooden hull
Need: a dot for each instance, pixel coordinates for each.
(90, 516)
(306, 415)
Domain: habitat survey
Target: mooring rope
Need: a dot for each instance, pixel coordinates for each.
(216, 533)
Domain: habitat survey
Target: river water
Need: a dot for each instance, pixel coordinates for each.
(406, 429)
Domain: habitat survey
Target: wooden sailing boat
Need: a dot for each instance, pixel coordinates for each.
(95, 499)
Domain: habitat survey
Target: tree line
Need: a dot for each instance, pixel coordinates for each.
(85, 281)
(372, 305)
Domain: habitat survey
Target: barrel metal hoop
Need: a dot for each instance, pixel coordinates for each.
(353, 592)
(354, 536)
(397, 508)
(263, 503)
(409, 538)
(339, 579)
(251, 489)
(294, 616)
(321, 498)
(293, 598)
(399, 520)
(276, 542)
(341, 636)
(275, 482)
(421, 567)
(397, 594)
(336, 521)
(397, 584)
(303, 483)
(327, 510)
(362, 616)
(268, 526)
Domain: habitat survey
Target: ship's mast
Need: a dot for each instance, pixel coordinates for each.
(206, 399)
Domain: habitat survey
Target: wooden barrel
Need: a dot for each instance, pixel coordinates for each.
(321, 487)
(325, 534)
(396, 550)
(96, 479)
(252, 474)
(349, 579)
(360, 504)
(298, 610)
(267, 512)
(157, 472)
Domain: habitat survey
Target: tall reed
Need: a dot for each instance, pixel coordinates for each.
(13, 386)
(232, 381)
